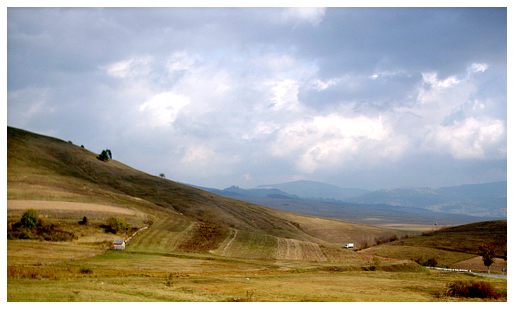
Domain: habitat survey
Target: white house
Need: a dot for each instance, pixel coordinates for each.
(118, 244)
(349, 245)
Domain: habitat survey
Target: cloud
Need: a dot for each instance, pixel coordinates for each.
(287, 93)
(132, 67)
(321, 85)
(180, 61)
(333, 140)
(29, 104)
(313, 16)
(435, 83)
(479, 67)
(200, 160)
(162, 109)
(284, 95)
(470, 138)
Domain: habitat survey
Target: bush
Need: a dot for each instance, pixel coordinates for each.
(471, 289)
(30, 219)
(385, 239)
(431, 262)
(84, 221)
(149, 221)
(115, 225)
(86, 270)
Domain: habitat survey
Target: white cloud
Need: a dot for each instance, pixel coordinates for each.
(321, 85)
(478, 67)
(331, 141)
(432, 80)
(162, 109)
(386, 74)
(285, 95)
(129, 67)
(181, 61)
(203, 161)
(470, 138)
(314, 16)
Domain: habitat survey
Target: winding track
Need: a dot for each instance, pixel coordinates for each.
(229, 243)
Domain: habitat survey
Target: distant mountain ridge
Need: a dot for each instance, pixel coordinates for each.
(356, 212)
(317, 190)
(234, 191)
(486, 199)
(464, 203)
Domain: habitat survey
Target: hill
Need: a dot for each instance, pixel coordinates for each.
(355, 212)
(483, 200)
(198, 246)
(316, 190)
(450, 245)
(42, 168)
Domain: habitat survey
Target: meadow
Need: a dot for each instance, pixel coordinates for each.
(146, 276)
(197, 246)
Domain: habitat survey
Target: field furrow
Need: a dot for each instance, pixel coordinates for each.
(293, 249)
(162, 236)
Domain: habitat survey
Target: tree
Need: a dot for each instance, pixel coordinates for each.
(162, 175)
(106, 155)
(30, 218)
(487, 252)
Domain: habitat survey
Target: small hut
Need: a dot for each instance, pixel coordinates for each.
(118, 244)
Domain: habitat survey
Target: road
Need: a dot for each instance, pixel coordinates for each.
(466, 271)
(497, 276)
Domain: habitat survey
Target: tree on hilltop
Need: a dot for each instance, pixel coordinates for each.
(106, 155)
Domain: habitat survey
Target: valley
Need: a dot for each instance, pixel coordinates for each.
(201, 246)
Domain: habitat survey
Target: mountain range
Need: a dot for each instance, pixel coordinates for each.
(456, 204)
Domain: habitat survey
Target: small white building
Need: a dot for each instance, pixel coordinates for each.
(349, 245)
(118, 244)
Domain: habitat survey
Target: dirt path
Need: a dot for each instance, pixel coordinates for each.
(135, 233)
(229, 243)
(67, 206)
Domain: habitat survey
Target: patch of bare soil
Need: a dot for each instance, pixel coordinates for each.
(204, 236)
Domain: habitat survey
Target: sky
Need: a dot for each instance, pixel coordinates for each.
(358, 97)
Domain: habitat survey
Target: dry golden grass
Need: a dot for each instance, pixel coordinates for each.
(444, 257)
(124, 276)
(44, 252)
(338, 231)
(477, 264)
(192, 251)
(68, 206)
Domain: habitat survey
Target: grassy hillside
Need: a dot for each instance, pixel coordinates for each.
(42, 168)
(452, 246)
(464, 238)
(198, 246)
